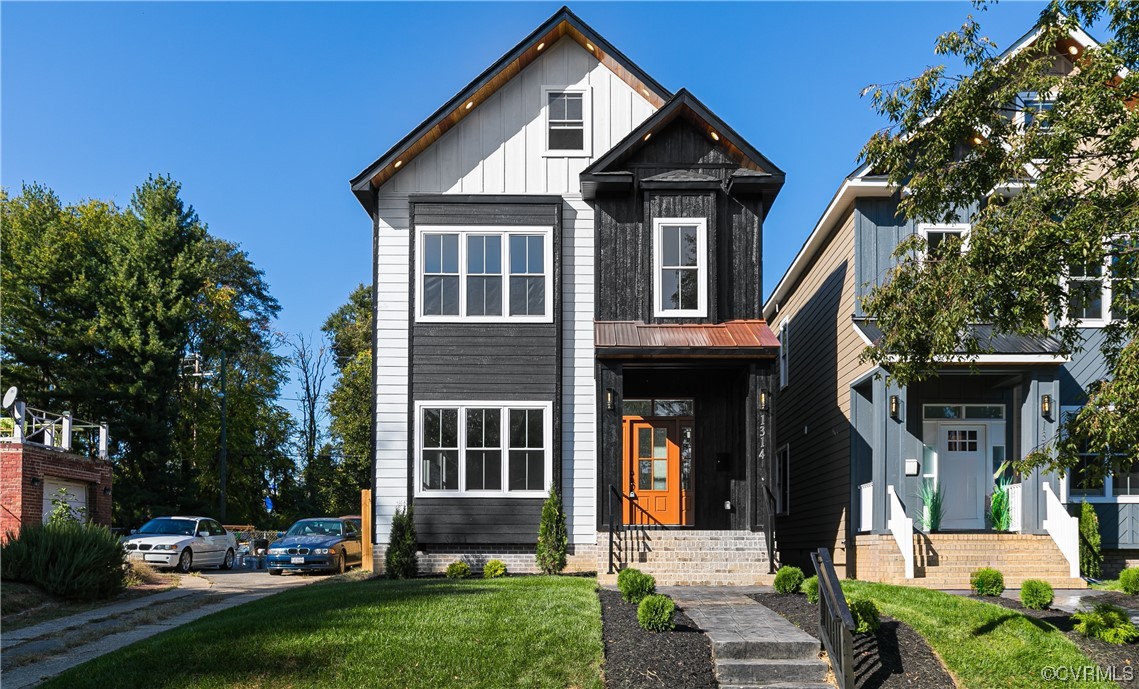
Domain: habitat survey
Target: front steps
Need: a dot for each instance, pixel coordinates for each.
(752, 646)
(689, 558)
(946, 560)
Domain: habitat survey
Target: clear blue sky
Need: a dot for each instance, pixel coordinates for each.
(264, 111)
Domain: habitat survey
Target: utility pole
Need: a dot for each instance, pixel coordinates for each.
(222, 469)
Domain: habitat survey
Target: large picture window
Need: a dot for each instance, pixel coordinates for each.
(504, 448)
(680, 270)
(485, 274)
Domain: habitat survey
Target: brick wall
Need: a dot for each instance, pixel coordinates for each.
(21, 502)
(1115, 561)
(519, 559)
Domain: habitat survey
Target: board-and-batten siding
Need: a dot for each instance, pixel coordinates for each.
(391, 360)
(813, 411)
(498, 148)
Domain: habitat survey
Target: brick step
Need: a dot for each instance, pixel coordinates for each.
(767, 672)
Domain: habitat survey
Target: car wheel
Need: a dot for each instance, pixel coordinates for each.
(275, 572)
(185, 561)
(227, 563)
(343, 563)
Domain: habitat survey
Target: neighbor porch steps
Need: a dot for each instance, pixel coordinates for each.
(690, 558)
(752, 646)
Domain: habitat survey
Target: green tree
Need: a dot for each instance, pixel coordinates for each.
(349, 330)
(1057, 191)
(550, 553)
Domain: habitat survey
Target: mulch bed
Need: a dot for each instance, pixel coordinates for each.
(638, 659)
(894, 657)
(1104, 654)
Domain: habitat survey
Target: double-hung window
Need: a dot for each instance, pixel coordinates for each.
(1093, 478)
(568, 130)
(1034, 110)
(939, 238)
(485, 274)
(680, 270)
(483, 448)
(1101, 292)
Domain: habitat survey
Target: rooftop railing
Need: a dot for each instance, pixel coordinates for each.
(28, 425)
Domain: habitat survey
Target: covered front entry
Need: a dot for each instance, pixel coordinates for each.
(962, 476)
(658, 440)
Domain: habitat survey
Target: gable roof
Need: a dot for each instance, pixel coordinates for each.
(755, 169)
(563, 23)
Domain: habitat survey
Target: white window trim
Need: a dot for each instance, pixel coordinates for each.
(505, 231)
(587, 120)
(784, 489)
(924, 229)
(1026, 97)
(505, 405)
(1108, 497)
(784, 353)
(701, 310)
(1105, 297)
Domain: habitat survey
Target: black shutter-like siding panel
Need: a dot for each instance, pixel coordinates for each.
(477, 520)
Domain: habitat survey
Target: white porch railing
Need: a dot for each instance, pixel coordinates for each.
(1015, 507)
(1064, 530)
(866, 506)
(903, 529)
(39, 427)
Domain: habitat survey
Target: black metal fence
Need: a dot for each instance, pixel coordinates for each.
(836, 626)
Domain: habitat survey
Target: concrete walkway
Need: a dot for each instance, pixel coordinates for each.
(36, 653)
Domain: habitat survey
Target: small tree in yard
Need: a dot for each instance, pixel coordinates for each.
(552, 538)
(1091, 559)
(400, 559)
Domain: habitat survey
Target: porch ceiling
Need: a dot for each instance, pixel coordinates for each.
(747, 339)
(1004, 345)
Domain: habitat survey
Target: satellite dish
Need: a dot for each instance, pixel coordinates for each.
(9, 398)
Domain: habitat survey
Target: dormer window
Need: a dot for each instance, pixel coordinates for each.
(568, 131)
(680, 271)
(937, 238)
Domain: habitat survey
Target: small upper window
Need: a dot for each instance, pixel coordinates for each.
(681, 273)
(567, 121)
(939, 238)
(1034, 110)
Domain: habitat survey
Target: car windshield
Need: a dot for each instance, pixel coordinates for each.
(173, 527)
(316, 527)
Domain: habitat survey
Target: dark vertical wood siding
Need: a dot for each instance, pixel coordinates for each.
(485, 361)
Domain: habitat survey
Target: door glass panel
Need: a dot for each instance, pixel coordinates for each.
(672, 408)
(637, 408)
(660, 474)
(644, 475)
(686, 458)
(660, 443)
(644, 442)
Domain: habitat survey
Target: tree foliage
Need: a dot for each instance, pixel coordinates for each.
(1054, 192)
(103, 307)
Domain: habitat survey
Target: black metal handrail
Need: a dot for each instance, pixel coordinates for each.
(641, 519)
(836, 625)
(769, 529)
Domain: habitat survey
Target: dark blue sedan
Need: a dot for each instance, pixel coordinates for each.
(316, 545)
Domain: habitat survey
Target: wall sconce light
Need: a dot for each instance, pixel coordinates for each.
(763, 400)
(895, 408)
(1046, 405)
(610, 399)
(107, 491)
(35, 480)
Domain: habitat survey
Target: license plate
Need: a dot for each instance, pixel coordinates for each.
(298, 560)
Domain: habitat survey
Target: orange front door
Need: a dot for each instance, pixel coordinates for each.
(658, 464)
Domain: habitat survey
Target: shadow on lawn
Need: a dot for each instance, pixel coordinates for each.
(996, 622)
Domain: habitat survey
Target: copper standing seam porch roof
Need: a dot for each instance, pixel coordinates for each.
(734, 339)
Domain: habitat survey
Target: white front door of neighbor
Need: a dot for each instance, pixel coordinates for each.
(76, 496)
(962, 475)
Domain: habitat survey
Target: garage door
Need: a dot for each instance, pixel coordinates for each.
(76, 495)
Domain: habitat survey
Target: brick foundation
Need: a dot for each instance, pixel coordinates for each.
(22, 503)
(1115, 561)
(519, 559)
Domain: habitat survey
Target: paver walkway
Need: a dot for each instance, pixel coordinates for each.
(38, 652)
(752, 646)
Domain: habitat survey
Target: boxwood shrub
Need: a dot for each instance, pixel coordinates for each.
(867, 619)
(788, 579)
(655, 613)
(1036, 594)
(494, 569)
(1129, 580)
(811, 588)
(635, 585)
(458, 570)
(987, 582)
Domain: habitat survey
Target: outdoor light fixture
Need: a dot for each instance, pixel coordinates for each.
(895, 407)
(610, 399)
(1073, 50)
(470, 104)
(647, 136)
(107, 491)
(977, 140)
(398, 163)
(715, 136)
(589, 47)
(541, 45)
(763, 400)
(35, 480)
(1046, 405)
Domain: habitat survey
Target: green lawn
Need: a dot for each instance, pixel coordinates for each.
(525, 631)
(983, 645)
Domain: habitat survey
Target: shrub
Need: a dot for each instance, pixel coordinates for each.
(1091, 559)
(400, 559)
(999, 509)
(655, 613)
(66, 558)
(934, 506)
(1106, 622)
(867, 619)
(552, 538)
(987, 582)
(1035, 594)
(811, 588)
(788, 579)
(494, 569)
(1129, 580)
(458, 570)
(634, 585)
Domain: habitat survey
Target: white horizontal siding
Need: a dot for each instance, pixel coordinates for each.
(391, 355)
(498, 147)
(579, 448)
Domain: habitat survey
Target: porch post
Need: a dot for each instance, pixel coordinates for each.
(1036, 430)
(609, 377)
(881, 416)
